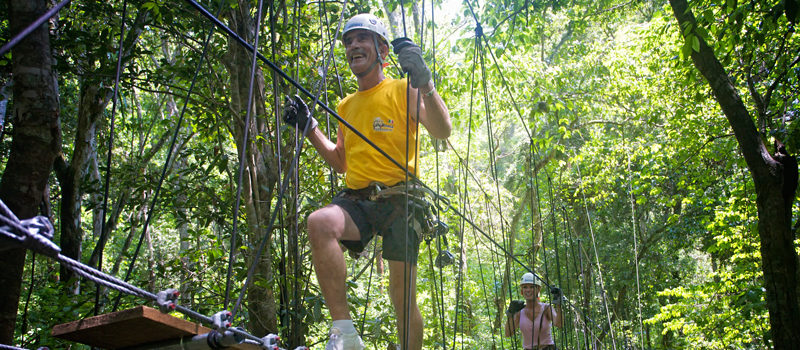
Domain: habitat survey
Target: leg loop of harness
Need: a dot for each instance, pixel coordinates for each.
(424, 219)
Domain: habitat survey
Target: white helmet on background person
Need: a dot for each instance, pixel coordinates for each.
(369, 22)
(529, 278)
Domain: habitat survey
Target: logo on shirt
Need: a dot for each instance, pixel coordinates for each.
(379, 125)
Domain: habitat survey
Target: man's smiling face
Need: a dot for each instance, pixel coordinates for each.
(360, 50)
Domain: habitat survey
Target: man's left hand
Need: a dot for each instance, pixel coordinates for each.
(409, 55)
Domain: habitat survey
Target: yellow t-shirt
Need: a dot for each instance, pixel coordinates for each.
(379, 114)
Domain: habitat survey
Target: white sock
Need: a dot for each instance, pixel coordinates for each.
(346, 326)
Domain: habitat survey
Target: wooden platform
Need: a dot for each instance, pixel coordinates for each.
(122, 329)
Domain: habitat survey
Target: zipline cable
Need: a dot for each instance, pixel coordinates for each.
(36, 235)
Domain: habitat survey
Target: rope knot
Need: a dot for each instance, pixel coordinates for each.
(479, 31)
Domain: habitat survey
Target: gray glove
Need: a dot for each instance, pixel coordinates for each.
(556, 296)
(409, 55)
(296, 112)
(514, 306)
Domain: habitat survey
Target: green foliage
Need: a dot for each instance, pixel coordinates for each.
(583, 144)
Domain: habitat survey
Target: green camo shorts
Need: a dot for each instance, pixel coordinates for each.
(383, 216)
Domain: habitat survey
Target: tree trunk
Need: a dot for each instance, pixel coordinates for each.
(35, 144)
(95, 95)
(775, 179)
(259, 177)
(92, 103)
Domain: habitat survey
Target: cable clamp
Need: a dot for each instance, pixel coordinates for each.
(166, 300)
(221, 320)
(270, 342)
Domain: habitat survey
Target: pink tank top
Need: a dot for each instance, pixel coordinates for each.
(530, 330)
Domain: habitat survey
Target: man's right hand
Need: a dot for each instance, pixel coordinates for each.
(296, 112)
(514, 306)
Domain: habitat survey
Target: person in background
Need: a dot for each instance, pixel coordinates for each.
(532, 317)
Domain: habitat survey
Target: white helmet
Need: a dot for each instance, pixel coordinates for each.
(529, 278)
(369, 22)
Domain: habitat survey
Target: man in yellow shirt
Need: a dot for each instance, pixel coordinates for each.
(378, 110)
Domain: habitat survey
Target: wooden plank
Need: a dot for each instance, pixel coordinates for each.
(132, 327)
(244, 346)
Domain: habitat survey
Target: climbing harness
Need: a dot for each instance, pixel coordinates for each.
(423, 218)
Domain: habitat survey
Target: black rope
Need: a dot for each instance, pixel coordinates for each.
(493, 157)
(24, 326)
(243, 154)
(483, 286)
(465, 203)
(276, 144)
(440, 283)
(103, 228)
(369, 286)
(493, 254)
(555, 249)
(597, 258)
(163, 175)
(295, 158)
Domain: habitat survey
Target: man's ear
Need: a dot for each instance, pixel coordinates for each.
(384, 50)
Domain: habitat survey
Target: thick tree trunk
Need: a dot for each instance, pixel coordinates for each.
(95, 95)
(92, 103)
(259, 177)
(775, 181)
(36, 141)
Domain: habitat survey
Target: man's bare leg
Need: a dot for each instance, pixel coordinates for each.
(326, 227)
(404, 298)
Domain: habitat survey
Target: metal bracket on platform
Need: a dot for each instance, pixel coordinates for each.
(166, 300)
(221, 320)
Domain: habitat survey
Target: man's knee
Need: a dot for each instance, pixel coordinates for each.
(321, 225)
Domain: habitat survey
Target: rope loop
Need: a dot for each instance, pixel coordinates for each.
(35, 233)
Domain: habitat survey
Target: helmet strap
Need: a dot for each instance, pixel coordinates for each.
(378, 60)
(365, 72)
